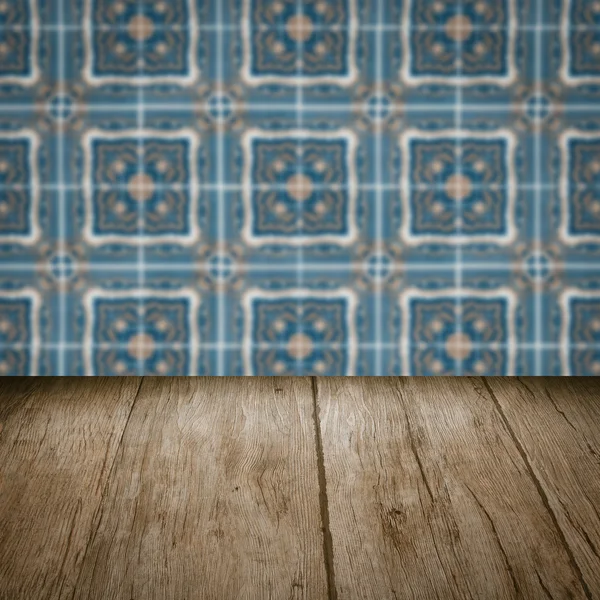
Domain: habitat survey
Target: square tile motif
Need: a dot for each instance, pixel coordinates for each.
(19, 332)
(146, 332)
(580, 192)
(312, 187)
(581, 39)
(19, 189)
(291, 43)
(127, 41)
(299, 187)
(19, 42)
(446, 40)
(581, 332)
(300, 331)
(141, 186)
(458, 184)
(467, 334)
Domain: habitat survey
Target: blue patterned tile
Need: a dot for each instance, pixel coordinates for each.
(458, 186)
(19, 181)
(19, 43)
(472, 40)
(299, 187)
(19, 332)
(325, 187)
(308, 44)
(580, 192)
(143, 43)
(475, 330)
(581, 26)
(148, 332)
(141, 186)
(581, 330)
(296, 331)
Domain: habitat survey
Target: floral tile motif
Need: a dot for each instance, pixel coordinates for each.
(19, 42)
(469, 333)
(581, 332)
(299, 187)
(19, 337)
(447, 40)
(19, 187)
(129, 41)
(290, 43)
(458, 185)
(581, 34)
(141, 188)
(332, 187)
(146, 332)
(580, 193)
(299, 331)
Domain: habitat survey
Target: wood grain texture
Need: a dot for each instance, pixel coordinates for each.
(219, 488)
(57, 445)
(429, 497)
(214, 495)
(557, 424)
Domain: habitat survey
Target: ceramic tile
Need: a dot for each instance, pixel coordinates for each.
(307, 187)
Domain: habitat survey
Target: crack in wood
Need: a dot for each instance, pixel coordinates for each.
(540, 491)
(323, 500)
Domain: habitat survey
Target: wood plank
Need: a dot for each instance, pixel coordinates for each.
(557, 424)
(214, 495)
(58, 442)
(428, 496)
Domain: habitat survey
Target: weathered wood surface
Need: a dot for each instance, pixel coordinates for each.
(215, 495)
(344, 488)
(556, 422)
(58, 443)
(429, 497)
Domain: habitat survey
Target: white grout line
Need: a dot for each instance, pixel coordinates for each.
(238, 187)
(538, 327)
(366, 27)
(299, 171)
(273, 267)
(62, 318)
(308, 107)
(141, 205)
(221, 198)
(379, 238)
(240, 346)
(458, 207)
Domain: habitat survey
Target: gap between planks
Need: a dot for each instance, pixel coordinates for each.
(556, 421)
(230, 470)
(59, 441)
(323, 500)
(540, 489)
(521, 418)
(430, 496)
